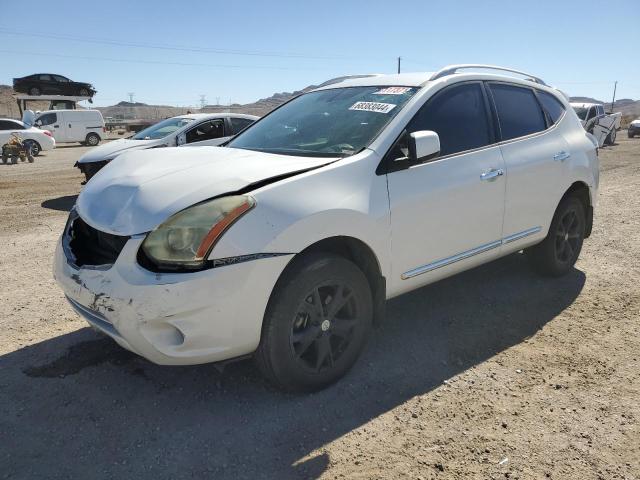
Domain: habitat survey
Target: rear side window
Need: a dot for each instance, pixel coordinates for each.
(45, 78)
(9, 125)
(552, 106)
(240, 124)
(458, 115)
(518, 111)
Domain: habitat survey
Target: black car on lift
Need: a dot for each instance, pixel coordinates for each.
(52, 84)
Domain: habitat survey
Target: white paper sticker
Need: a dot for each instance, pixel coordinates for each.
(392, 91)
(372, 107)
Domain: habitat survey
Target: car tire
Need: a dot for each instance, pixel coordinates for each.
(34, 91)
(308, 342)
(611, 138)
(33, 146)
(558, 252)
(631, 135)
(83, 92)
(92, 140)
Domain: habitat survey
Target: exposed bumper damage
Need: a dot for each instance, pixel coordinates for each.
(173, 319)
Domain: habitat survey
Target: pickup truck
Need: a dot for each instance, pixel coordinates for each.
(603, 126)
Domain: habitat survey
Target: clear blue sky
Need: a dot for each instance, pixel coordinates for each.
(251, 49)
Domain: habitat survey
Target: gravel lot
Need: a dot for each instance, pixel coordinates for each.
(496, 373)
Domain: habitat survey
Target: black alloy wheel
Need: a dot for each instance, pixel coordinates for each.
(316, 324)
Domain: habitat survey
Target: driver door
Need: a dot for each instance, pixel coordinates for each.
(209, 133)
(447, 212)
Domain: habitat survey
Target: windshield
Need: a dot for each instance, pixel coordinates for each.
(162, 129)
(581, 112)
(327, 123)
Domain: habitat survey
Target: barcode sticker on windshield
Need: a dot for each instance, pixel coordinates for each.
(372, 107)
(392, 91)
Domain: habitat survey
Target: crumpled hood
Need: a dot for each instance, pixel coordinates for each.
(139, 190)
(109, 150)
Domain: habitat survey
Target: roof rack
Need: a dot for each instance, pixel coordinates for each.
(451, 69)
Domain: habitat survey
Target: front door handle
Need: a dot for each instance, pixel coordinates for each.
(561, 156)
(492, 174)
(56, 126)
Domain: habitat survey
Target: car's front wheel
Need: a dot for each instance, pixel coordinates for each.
(317, 322)
(559, 251)
(84, 92)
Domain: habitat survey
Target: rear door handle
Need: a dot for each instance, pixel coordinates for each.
(561, 156)
(492, 174)
(56, 126)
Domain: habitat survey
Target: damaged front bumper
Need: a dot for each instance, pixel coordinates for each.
(172, 319)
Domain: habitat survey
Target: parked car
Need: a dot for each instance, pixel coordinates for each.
(37, 140)
(603, 126)
(52, 84)
(634, 128)
(69, 126)
(285, 243)
(192, 129)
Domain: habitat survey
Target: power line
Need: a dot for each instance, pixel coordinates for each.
(182, 48)
(155, 62)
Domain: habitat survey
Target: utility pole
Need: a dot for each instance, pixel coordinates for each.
(218, 101)
(203, 101)
(615, 87)
(399, 59)
(131, 94)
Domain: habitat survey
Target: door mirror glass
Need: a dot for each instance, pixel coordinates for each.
(423, 145)
(181, 140)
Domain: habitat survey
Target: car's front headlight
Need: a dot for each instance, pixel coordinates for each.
(185, 240)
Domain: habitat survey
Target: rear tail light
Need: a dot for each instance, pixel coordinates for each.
(47, 133)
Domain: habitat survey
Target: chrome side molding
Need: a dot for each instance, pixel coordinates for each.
(469, 253)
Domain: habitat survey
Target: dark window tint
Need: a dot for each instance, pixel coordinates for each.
(552, 105)
(9, 125)
(206, 131)
(592, 113)
(59, 78)
(48, 119)
(45, 78)
(240, 124)
(458, 115)
(519, 112)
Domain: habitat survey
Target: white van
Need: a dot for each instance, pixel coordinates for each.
(84, 126)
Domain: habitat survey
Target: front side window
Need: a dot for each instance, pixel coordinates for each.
(458, 115)
(47, 119)
(162, 129)
(206, 131)
(552, 106)
(59, 78)
(519, 112)
(328, 123)
(581, 112)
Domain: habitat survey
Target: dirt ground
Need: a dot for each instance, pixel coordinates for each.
(496, 373)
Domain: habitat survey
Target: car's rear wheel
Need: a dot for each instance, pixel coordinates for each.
(34, 91)
(316, 324)
(631, 134)
(92, 140)
(33, 146)
(559, 251)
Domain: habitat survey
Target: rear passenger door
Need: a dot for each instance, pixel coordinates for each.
(446, 213)
(535, 153)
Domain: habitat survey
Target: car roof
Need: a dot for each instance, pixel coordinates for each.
(204, 116)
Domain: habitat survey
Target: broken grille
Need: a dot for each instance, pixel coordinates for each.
(90, 246)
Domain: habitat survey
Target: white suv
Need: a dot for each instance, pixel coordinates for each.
(285, 244)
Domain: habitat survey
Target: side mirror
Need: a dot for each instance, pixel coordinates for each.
(181, 140)
(423, 145)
